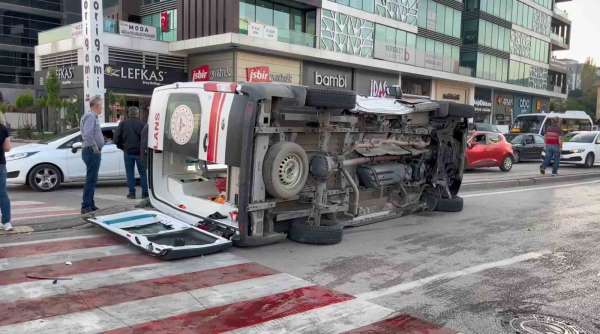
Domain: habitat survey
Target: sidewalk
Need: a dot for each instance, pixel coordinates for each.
(523, 174)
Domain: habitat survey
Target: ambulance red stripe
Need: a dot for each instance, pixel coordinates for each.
(57, 246)
(32, 309)
(78, 267)
(242, 314)
(402, 324)
(217, 103)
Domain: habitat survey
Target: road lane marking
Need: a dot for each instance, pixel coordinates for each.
(528, 189)
(336, 318)
(452, 275)
(43, 241)
(41, 289)
(16, 250)
(86, 300)
(141, 311)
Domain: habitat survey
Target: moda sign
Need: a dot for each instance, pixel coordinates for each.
(137, 30)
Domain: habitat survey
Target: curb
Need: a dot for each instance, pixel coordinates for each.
(528, 181)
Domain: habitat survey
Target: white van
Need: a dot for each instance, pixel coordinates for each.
(571, 120)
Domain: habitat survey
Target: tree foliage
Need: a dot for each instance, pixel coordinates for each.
(584, 98)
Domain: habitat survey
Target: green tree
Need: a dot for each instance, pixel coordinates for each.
(51, 101)
(25, 102)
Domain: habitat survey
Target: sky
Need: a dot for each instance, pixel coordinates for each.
(585, 34)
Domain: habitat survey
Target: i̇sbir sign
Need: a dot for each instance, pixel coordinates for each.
(258, 74)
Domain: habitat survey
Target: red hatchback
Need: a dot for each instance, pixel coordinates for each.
(489, 149)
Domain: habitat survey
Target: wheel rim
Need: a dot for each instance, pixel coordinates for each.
(46, 178)
(507, 163)
(290, 171)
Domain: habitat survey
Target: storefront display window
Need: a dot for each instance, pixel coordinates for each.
(416, 86)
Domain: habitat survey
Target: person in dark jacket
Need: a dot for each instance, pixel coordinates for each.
(128, 136)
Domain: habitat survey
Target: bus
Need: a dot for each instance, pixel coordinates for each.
(571, 120)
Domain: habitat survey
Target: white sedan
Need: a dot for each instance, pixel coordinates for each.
(44, 166)
(581, 148)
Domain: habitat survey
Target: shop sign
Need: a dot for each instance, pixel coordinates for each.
(205, 73)
(262, 31)
(394, 53)
(93, 51)
(372, 83)
(69, 76)
(137, 30)
(258, 74)
(327, 76)
(503, 100)
(483, 106)
(135, 77)
(523, 105)
(451, 96)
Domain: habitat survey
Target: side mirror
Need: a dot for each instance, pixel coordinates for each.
(76, 146)
(471, 144)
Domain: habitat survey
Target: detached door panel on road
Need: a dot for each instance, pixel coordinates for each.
(112, 164)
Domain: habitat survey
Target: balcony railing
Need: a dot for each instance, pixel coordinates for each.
(561, 12)
(285, 35)
(559, 38)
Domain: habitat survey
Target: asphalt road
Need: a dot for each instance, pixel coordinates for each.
(511, 254)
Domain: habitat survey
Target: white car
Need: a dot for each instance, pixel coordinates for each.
(581, 148)
(45, 165)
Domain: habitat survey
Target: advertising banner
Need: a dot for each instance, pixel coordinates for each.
(135, 77)
(137, 30)
(93, 50)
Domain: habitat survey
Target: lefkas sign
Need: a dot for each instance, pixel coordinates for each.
(149, 77)
(93, 49)
(334, 81)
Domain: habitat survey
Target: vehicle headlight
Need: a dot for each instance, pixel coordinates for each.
(579, 150)
(17, 156)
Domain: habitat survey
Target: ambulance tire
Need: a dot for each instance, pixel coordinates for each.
(285, 170)
(455, 204)
(330, 98)
(305, 233)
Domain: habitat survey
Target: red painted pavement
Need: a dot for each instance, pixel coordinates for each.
(19, 275)
(27, 310)
(57, 246)
(402, 324)
(242, 314)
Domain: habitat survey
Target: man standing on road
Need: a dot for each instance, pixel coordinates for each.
(5, 146)
(129, 135)
(93, 141)
(553, 146)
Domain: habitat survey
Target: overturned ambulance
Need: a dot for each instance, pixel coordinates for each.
(256, 163)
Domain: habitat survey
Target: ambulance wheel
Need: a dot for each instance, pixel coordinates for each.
(317, 235)
(285, 170)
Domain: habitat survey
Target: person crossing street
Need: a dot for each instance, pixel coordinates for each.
(553, 146)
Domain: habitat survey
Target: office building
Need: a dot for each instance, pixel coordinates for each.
(494, 54)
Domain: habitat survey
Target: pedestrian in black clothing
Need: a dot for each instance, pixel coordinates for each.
(128, 136)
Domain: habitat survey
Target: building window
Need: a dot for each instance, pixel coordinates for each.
(346, 34)
(295, 26)
(491, 68)
(400, 10)
(154, 21)
(365, 5)
(439, 18)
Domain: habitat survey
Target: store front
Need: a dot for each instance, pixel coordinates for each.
(541, 105)
(523, 105)
(129, 84)
(483, 105)
(503, 109)
(416, 86)
(212, 67)
(372, 83)
(452, 91)
(70, 78)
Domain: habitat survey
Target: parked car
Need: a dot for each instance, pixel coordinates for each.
(581, 148)
(527, 146)
(489, 149)
(47, 164)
